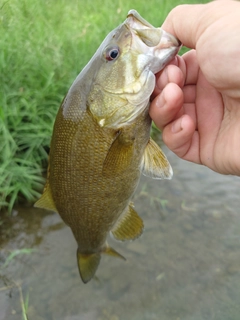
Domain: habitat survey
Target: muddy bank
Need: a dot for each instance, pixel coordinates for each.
(186, 265)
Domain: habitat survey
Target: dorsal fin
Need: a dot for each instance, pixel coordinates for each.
(129, 226)
(155, 163)
(46, 200)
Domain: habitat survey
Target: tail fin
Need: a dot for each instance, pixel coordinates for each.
(87, 265)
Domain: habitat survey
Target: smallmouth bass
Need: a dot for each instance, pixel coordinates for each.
(101, 140)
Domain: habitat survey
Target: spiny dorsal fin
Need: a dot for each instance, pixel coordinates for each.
(119, 155)
(87, 265)
(129, 226)
(155, 163)
(46, 200)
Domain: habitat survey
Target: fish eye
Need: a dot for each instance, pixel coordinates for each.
(112, 53)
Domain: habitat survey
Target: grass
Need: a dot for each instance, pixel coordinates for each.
(44, 45)
(15, 253)
(23, 303)
(11, 283)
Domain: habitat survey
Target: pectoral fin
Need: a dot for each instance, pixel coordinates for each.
(119, 155)
(155, 163)
(46, 200)
(87, 265)
(129, 226)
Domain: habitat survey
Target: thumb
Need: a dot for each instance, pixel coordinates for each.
(189, 22)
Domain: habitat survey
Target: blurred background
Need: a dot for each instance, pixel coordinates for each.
(44, 45)
(186, 265)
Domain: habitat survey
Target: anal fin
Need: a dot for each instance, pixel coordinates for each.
(155, 164)
(129, 226)
(111, 252)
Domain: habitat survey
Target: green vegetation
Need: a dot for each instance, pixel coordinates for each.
(11, 283)
(15, 253)
(44, 44)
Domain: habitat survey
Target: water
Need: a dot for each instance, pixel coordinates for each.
(186, 265)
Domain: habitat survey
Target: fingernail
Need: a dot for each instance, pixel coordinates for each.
(177, 126)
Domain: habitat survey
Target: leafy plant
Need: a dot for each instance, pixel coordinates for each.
(44, 45)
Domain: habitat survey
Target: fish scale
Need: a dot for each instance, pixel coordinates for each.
(101, 141)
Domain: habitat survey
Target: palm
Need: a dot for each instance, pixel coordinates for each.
(211, 132)
(197, 98)
(218, 116)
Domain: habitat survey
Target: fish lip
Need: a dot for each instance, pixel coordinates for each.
(151, 41)
(138, 25)
(136, 16)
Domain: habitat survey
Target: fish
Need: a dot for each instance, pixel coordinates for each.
(101, 141)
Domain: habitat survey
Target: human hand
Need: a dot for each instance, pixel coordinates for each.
(196, 102)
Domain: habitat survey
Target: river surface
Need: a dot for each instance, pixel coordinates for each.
(185, 266)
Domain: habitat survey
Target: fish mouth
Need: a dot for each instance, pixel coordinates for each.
(137, 20)
(154, 39)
